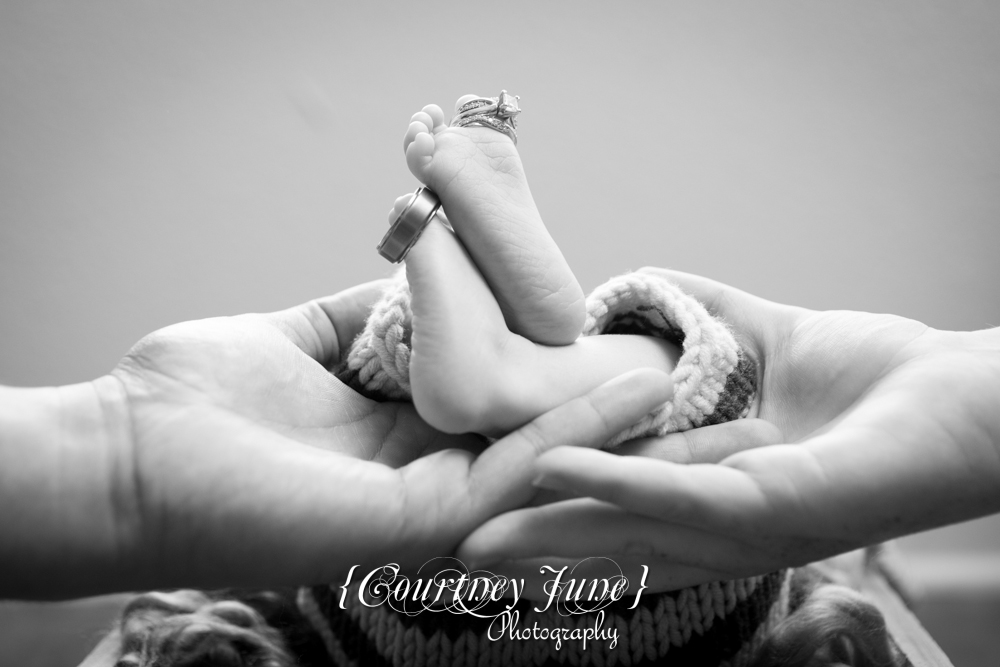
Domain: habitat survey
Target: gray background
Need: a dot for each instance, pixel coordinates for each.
(167, 161)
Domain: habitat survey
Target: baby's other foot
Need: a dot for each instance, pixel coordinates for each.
(460, 345)
(477, 173)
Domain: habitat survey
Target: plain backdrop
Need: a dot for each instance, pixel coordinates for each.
(167, 161)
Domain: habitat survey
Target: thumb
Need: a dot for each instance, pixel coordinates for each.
(758, 319)
(324, 328)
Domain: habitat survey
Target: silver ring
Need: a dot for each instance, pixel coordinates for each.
(507, 108)
(498, 113)
(409, 225)
(492, 122)
(482, 105)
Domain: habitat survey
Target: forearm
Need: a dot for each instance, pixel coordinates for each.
(60, 519)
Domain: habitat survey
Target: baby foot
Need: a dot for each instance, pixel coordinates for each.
(460, 344)
(469, 373)
(477, 173)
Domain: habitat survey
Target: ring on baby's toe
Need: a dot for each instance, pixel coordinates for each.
(504, 106)
(480, 105)
(492, 122)
(407, 227)
(497, 113)
(507, 108)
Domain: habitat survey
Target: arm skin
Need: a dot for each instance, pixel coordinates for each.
(890, 428)
(223, 452)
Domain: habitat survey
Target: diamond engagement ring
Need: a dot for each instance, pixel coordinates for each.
(483, 105)
(407, 227)
(497, 113)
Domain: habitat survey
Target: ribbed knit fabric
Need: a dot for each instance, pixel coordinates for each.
(713, 624)
(721, 623)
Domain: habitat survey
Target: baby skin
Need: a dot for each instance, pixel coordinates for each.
(497, 312)
(477, 173)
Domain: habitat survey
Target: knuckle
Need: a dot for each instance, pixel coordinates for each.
(690, 441)
(533, 435)
(602, 421)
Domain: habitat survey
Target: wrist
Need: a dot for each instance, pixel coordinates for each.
(64, 511)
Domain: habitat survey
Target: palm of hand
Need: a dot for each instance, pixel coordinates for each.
(891, 429)
(217, 407)
(816, 373)
(887, 419)
(247, 372)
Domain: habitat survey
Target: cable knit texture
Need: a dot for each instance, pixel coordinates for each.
(647, 304)
(378, 364)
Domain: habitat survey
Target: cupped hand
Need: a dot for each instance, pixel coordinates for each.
(257, 373)
(240, 460)
(890, 427)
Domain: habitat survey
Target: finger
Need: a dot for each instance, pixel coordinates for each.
(715, 497)
(661, 574)
(709, 444)
(501, 478)
(322, 328)
(581, 528)
(717, 297)
(748, 314)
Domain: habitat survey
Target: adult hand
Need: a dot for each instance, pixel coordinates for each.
(892, 427)
(223, 452)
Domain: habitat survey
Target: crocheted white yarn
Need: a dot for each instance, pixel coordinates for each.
(381, 353)
(709, 351)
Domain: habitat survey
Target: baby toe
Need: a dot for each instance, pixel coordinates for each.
(423, 117)
(436, 115)
(418, 153)
(416, 127)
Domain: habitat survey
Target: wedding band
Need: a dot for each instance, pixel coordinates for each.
(408, 226)
(478, 105)
(497, 113)
(492, 122)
